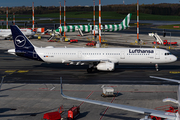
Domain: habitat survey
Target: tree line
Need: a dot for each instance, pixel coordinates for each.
(156, 9)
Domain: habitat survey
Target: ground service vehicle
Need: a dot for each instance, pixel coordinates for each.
(165, 42)
(73, 113)
(166, 108)
(169, 43)
(58, 115)
(73, 41)
(92, 43)
(52, 116)
(108, 92)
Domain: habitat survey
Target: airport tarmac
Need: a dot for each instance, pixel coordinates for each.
(31, 101)
(109, 39)
(25, 93)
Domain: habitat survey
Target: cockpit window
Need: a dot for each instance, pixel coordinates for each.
(167, 53)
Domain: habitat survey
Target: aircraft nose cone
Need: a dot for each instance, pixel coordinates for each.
(174, 58)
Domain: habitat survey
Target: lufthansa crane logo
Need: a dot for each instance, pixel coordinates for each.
(20, 41)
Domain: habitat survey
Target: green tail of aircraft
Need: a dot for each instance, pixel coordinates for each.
(89, 28)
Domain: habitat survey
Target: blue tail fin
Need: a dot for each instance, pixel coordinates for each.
(20, 40)
(23, 47)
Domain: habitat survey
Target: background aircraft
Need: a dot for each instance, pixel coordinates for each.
(90, 28)
(6, 33)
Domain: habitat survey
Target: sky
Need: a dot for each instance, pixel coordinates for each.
(12, 3)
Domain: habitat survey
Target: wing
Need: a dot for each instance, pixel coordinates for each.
(93, 60)
(125, 107)
(172, 80)
(87, 61)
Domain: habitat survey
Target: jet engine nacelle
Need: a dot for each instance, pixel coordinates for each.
(106, 66)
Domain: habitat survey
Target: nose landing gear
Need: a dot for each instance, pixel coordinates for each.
(156, 66)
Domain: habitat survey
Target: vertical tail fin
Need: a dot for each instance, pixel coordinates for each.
(20, 40)
(126, 21)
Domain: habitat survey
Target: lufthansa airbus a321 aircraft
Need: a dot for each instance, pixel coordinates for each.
(103, 59)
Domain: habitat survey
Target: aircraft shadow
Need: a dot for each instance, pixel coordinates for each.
(82, 115)
(61, 66)
(118, 68)
(147, 67)
(11, 88)
(4, 95)
(116, 95)
(3, 110)
(118, 116)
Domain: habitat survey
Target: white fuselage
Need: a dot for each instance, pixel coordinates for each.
(97, 58)
(115, 55)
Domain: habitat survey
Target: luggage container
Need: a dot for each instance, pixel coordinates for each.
(108, 92)
(73, 112)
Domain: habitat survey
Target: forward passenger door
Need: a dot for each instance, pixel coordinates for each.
(79, 54)
(157, 54)
(122, 55)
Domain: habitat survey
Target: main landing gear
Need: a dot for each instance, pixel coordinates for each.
(92, 68)
(89, 70)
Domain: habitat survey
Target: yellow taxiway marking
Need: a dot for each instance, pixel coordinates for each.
(18, 71)
(174, 72)
(22, 71)
(10, 71)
